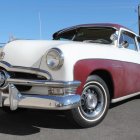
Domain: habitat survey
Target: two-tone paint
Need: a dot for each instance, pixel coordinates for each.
(81, 60)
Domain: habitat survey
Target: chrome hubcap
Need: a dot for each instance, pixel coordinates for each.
(92, 102)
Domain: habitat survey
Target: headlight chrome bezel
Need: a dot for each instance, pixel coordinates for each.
(58, 55)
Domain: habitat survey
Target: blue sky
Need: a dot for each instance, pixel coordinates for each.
(20, 18)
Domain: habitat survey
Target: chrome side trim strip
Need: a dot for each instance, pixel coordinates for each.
(37, 71)
(124, 97)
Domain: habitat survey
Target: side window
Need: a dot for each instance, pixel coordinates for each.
(127, 40)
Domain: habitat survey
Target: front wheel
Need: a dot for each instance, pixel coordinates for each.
(95, 102)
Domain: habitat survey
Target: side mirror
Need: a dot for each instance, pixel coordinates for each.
(125, 44)
(114, 37)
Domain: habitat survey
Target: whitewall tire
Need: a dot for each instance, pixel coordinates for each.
(95, 102)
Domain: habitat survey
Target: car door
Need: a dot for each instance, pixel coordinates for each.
(131, 64)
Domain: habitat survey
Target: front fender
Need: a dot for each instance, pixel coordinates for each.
(85, 68)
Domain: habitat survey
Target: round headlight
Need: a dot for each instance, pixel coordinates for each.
(54, 59)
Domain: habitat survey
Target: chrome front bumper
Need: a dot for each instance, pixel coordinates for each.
(16, 99)
(64, 100)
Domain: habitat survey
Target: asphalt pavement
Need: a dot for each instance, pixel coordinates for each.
(121, 123)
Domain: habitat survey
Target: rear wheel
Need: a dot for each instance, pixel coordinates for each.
(95, 101)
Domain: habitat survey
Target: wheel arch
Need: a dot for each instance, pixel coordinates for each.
(107, 77)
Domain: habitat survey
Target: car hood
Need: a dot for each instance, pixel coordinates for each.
(28, 53)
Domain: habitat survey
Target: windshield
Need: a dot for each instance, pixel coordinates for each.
(86, 34)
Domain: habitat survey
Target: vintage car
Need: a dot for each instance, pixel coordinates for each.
(82, 70)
